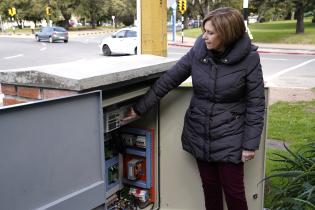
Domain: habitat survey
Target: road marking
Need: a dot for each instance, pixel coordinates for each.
(44, 66)
(14, 56)
(289, 69)
(274, 59)
(43, 48)
(175, 53)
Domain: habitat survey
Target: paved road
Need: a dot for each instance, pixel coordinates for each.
(279, 69)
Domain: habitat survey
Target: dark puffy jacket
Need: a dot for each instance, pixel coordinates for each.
(226, 111)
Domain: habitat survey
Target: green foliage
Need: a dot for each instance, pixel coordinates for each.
(272, 185)
(283, 32)
(123, 10)
(202, 7)
(292, 121)
(298, 174)
(92, 11)
(274, 32)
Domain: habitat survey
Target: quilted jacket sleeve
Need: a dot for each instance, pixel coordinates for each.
(255, 104)
(168, 81)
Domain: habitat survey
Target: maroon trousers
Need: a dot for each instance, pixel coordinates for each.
(226, 176)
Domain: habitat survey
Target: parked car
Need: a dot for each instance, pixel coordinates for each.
(52, 34)
(170, 26)
(123, 41)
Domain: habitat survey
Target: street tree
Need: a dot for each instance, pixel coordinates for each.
(123, 10)
(275, 9)
(204, 6)
(33, 10)
(66, 9)
(6, 5)
(92, 10)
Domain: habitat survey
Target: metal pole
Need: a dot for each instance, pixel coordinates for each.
(139, 26)
(245, 10)
(174, 7)
(245, 15)
(182, 29)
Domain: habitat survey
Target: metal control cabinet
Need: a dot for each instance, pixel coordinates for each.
(52, 154)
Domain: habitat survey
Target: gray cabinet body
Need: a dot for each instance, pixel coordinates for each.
(52, 155)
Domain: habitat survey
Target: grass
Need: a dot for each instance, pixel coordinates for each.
(313, 89)
(275, 32)
(283, 32)
(292, 122)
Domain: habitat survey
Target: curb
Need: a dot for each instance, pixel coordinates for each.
(76, 33)
(287, 52)
(263, 50)
(91, 33)
(180, 44)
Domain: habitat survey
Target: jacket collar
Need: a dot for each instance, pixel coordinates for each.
(237, 52)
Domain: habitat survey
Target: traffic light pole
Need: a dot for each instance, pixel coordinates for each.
(182, 29)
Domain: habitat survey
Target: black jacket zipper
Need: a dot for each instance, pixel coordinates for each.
(214, 69)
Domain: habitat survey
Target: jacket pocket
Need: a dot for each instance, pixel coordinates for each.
(229, 124)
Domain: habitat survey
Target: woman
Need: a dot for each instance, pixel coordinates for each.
(224, 121)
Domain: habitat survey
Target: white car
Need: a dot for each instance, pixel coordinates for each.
(123, 41)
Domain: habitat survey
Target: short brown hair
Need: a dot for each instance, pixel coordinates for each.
(228, 23)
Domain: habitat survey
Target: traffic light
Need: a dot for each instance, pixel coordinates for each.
(182, 6)
(12, 11)
(48, 11)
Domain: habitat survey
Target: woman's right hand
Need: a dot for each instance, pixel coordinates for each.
(132, 115)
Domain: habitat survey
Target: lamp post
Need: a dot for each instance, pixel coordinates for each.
(174, 6)
(245, 15)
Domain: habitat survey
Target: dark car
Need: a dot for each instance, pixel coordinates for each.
(52, 34)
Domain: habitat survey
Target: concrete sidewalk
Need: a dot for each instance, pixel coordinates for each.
(263, 47)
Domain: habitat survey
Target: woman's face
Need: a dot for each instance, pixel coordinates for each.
(212, 38)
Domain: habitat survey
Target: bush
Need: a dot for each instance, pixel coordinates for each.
(298, 174)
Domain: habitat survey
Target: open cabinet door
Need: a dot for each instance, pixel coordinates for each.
(180, 183)
(52, 154)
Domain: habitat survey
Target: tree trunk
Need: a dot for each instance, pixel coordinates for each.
(93, 20)
(299, 18)
(206, 8)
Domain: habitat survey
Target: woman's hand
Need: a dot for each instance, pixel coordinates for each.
(132, 115)
(247, 155)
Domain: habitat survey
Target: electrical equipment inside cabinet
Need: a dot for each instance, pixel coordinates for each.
(135, 169)
(129, 163)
